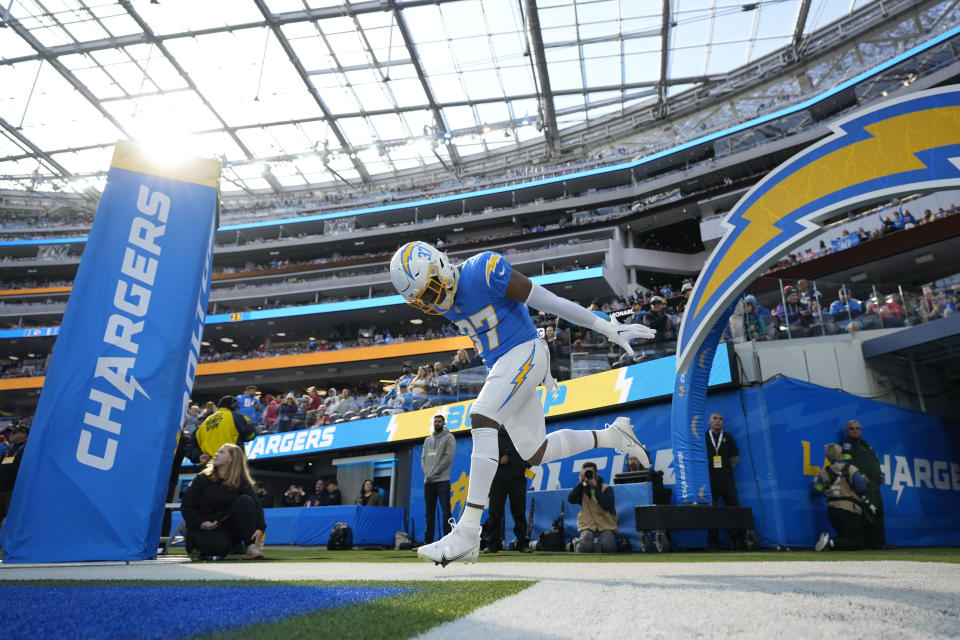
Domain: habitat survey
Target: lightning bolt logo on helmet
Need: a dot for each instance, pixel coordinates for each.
(425, 277)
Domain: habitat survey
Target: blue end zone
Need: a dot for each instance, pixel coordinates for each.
(163, 611)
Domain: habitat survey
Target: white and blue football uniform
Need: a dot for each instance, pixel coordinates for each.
(507, 341)
(481, 310)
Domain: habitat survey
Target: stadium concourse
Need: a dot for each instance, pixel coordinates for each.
(556, 600)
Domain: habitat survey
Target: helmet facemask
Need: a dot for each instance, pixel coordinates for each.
(436, 296)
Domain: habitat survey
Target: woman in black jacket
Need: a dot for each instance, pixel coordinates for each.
(220, 508)
(369, 496)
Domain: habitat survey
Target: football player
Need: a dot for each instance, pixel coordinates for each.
(487, 299)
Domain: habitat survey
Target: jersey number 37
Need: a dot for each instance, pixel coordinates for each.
(482, 324)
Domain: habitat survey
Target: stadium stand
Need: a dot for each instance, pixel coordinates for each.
(304, 275)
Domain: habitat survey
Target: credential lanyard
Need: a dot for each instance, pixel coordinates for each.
(716, 445)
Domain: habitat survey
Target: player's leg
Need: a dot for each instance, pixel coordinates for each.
(524, 421)
(462, 544)
(511, 380)
(510, 386)
(567, 442)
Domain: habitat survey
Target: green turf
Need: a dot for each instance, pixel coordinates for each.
(427, 605)
(927, 554)
(906, 554)
(405, 615)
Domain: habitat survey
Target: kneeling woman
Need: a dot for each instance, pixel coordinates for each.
(221, 509)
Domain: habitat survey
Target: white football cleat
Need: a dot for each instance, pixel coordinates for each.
(462, 544)
(628, 442)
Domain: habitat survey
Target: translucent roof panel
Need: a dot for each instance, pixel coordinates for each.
(179, 16)
(290, 93)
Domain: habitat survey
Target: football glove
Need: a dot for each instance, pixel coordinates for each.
(622, 334)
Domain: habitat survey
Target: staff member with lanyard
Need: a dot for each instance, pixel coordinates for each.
(723, 457)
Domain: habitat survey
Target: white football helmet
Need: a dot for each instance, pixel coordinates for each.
(425, 277)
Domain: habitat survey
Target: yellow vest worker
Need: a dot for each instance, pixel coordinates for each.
(227, 425)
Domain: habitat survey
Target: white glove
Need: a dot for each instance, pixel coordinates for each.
(622, 334)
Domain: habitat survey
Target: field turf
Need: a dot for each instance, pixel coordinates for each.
(908, 554)
(139, 609)
(408, 605)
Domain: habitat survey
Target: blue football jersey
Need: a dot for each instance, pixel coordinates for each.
(495, 323)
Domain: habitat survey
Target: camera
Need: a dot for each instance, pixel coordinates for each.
(588, 474)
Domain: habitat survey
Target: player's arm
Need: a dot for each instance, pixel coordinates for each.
(522, 289)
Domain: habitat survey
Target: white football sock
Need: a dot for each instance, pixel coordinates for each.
(567, 442)
(483, 466)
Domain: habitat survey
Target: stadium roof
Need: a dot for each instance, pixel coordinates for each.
(293, 93)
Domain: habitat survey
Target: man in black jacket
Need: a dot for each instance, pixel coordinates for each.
(658, 319)
(857, 452)
(722, 457)
(559, 354)
(509, 480)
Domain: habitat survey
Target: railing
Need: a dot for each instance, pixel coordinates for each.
(781, 309)
(790, 309)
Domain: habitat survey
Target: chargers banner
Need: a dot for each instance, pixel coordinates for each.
(788, 423)
(905, 145)
(689, 419)
(94, 474)
(608, 388)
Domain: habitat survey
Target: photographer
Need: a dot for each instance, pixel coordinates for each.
(293, 497)
(844, 486)
(598, 512)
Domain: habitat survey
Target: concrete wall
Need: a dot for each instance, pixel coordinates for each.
(835, 362)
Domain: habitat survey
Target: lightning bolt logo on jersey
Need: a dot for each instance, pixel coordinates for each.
(481, 310)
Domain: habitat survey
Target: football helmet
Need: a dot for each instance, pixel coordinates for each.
(425, 277)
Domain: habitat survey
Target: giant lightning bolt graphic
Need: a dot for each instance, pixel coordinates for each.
(901, 146)
(906, 145)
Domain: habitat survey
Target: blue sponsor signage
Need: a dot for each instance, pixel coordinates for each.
(636, 382)
(121, 372)
(781, 429)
